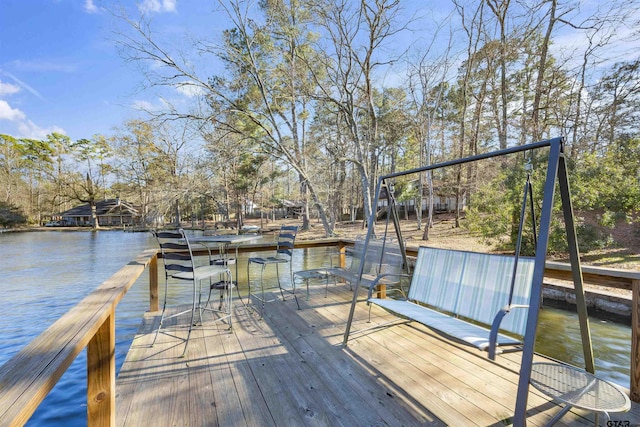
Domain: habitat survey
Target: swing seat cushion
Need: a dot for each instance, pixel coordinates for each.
(466, 294)
(453, 327)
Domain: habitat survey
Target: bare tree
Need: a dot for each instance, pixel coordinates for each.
(356, 36)
(264, 86)
(473, 30)
(499, 9)
(427, 85)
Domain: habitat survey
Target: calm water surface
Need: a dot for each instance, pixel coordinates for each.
(47, 273)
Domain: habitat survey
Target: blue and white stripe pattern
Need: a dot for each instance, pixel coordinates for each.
(473, 285)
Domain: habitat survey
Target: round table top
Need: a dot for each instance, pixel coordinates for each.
(225, 238)
(316, 273)
(576, 387)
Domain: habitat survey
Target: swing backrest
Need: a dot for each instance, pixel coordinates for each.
(473, 285)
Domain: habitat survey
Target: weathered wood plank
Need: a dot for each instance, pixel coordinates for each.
(333, 368)
(445, 406)
(132, 374)
(252, 403)
(613, 277)
(151, 377)
(363, 381)
(464, 372)
(200, 396)
(310, 397)
(263, 352)
(101, 375)
(290, 369)
(635, 341)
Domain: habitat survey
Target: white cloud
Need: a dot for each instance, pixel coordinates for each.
(144, 105)
(18, 119)
(25, 127)
(28, 129)
(8, 89)
(190, 90)
(157, 6)
(169, 5)
(9, 113)
(90, 7)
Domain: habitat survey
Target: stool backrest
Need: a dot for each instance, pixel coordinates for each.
(286, 240)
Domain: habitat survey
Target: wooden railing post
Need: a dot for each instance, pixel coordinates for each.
(101, 375)
(153, 284)
(635, 341)
(342, 258)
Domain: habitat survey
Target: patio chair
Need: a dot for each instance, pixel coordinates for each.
(180, 267)
(284, 253)
(383, 264)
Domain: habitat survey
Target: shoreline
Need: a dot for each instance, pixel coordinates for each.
(602, 302)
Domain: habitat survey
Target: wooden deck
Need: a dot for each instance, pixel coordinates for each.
(290, 369)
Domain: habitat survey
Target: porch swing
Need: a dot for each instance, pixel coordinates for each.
(556, 172)
(468, 296)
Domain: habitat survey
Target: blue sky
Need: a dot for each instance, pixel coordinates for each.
(57, 70)
(60, 70)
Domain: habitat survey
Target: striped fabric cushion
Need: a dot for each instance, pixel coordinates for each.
(436, 277)
(473, 285)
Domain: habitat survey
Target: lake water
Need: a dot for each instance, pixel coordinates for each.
(47, 273)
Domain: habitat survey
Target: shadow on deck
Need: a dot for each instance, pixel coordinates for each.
(290, 369)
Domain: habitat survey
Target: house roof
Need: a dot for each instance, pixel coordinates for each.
(108, 207)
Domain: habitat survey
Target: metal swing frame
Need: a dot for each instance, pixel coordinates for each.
(556, 172)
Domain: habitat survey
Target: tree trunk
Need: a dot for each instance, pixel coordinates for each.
(94, 215)
(537, 132)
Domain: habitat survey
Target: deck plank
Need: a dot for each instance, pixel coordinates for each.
(276, 375)
(333, 368)
(290, 368)
(153, 376)
(251, 400)
(449, 407)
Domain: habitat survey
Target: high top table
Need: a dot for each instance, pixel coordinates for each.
(223, 241)
(577, 388)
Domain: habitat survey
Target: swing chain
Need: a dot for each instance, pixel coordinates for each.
(528, 157)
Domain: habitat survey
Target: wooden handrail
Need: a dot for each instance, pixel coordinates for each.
(27, 378)
(604, 276)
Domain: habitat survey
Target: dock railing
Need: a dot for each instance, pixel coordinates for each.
(27, 378)
(619, 279)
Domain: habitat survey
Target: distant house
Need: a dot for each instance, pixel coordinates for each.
(444, 199)
(109, 212)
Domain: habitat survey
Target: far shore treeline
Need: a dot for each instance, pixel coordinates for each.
(312, 102)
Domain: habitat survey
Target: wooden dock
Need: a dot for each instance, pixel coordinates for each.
(290, 369)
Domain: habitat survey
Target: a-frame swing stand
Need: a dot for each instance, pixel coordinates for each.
(556, 172)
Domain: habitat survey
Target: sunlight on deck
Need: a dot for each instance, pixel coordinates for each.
(291, 369)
